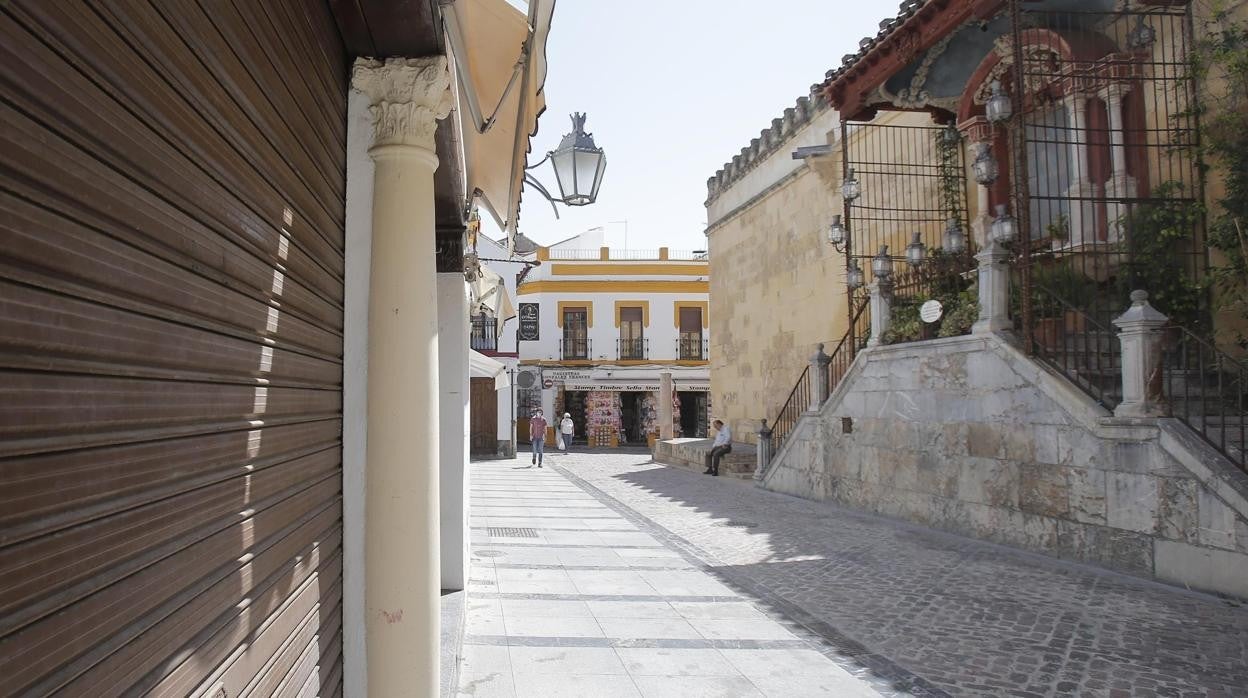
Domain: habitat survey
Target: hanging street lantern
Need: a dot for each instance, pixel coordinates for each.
(985, 165)
(882, 264)
(998, 109)
(579, 165)
(954, 241)
(916, 251)
(853, 277)
(951, 134)
(1003, 230)
(849, 188)
(838, 236)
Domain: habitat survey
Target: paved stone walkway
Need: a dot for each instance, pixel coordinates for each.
(922, 611)
(569, 596)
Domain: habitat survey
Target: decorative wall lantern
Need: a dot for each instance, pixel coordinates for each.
(853, 277)
(916, 251)
(850, 188)
(998, 109)
(951, 134)
(838, 236)
(882, 264)
(985, 165)
(1003, 230)
(954, 240)
(1141, 35)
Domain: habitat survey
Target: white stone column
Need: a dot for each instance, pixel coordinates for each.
(818, 376)
(881, 310)
(407, 97)
(1140, 332)
(1082, 213)
(983, 215)
(994, 289)
(1120, 185)
(666, 428)
(453, 420)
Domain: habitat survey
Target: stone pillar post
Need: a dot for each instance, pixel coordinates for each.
(994, 289)
(763, 451)
(818, 376)
(666, 430)
(407, 97)
(881, 310)
(1140, 332)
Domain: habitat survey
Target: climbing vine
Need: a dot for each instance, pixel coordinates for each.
(1220, 66)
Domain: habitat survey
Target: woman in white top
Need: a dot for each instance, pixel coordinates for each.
(565, 433)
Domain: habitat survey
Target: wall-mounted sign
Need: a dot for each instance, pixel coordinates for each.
(566, 374)
(528, 314)
(931, 311)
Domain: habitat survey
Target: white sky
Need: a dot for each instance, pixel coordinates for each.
(674, 89)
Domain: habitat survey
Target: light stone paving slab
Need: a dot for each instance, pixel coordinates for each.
(929, 612)
(586, 609)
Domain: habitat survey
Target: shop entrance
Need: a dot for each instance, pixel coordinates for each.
(633, 417)
(692, 414)
(573, 404)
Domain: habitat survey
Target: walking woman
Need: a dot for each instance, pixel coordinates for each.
(565, 433)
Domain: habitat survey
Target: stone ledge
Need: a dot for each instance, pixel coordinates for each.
(691, 454)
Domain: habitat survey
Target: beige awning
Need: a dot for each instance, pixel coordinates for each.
(482, 366)
(488, 39)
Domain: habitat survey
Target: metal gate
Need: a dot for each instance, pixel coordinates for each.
(171, 263)
(1105, 181)
(911, 180)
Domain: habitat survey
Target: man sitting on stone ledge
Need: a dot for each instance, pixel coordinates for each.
(721, 446)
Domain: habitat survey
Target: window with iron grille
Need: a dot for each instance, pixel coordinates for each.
(632, 343)
(575, 333)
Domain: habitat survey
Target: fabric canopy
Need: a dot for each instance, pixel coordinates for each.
(488, 37)
(489, 293)
(482, 366)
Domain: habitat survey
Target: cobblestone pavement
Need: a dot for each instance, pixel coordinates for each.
(569, 597)
(926, 611)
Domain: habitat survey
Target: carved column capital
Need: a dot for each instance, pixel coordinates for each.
(407, 96)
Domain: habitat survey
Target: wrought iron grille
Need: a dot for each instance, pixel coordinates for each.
(634, 348)
(1105, 177)
(691, 346)
(911, 179)
(484, 334)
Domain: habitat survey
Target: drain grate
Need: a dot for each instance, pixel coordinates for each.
(511, 532)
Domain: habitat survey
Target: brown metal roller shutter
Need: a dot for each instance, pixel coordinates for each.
(171, 263)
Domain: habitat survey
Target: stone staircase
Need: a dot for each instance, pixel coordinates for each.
(691, 455)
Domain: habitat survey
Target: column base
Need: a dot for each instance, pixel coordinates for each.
(991, 326)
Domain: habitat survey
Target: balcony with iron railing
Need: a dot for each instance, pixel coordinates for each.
(632, 349)
(483, 334)
(692, 347)
(574, 348)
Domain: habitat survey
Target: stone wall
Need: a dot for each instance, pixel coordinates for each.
(969, 435)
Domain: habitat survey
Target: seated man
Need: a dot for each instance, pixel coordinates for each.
(721, 445)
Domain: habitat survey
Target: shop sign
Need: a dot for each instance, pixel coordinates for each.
(632, 387)
(614, 387)
(528, 322)
(566, 375)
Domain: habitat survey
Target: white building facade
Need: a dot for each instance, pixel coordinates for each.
(599, 328)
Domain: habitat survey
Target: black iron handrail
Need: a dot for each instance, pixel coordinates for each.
(797, 403)
(1208, 391)
(1078, 346)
